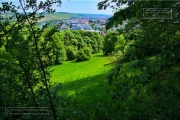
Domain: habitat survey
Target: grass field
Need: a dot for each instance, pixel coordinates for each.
(85, 82)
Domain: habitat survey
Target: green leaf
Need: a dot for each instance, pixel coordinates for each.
(14, 52)
(6, 56)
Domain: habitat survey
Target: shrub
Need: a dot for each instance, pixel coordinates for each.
(110, 41)
(58, 48)
(71, 52)
(120, 44)
(84, 54)
(60, 56)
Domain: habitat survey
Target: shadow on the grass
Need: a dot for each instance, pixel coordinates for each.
(99, 56)
(88, 92)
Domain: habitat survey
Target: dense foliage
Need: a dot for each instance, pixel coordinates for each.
(80, 45)
(146, 79)
(60, 46)
(26, 54)
(110, 41)
(23, 61)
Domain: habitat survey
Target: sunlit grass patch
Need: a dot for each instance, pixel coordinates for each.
(84, 82)
(71, 71)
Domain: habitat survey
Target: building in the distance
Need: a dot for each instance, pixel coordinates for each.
(72, 25)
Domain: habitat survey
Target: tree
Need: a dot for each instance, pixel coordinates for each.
(59, 48)
(76, 41)
(68, 37)
(110, 41)
(23, 71)
(84, 54)
(146, 86)
(71, 52)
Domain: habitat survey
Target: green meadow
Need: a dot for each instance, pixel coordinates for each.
(85, 82)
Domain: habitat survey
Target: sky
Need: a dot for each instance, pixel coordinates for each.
(83, 6)
(76, 6)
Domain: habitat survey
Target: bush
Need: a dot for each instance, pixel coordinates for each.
(60, 56)
(110, 41)
(84, 54)
(71, 52)
(129, 51)
(58, 49)
(120, 44)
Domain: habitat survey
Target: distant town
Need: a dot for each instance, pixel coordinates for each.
(75, 21)
(87, 22)
(95, 23)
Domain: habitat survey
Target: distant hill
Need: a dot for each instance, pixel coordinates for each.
(58, 16)
(49, 17)
(63, 16)
(83, 14)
